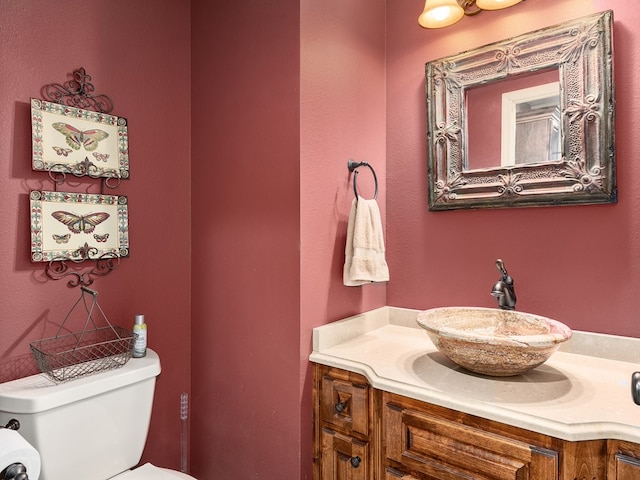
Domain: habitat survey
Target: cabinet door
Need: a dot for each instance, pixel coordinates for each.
(624, 460)
(627, 468)
(343, 457)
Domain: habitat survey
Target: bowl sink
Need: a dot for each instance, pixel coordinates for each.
(491, 341)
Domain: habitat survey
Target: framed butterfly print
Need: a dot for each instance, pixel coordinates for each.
(78, 226)
(81, 142)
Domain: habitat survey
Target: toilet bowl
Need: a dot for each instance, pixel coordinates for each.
(151, 472)
(94, 427)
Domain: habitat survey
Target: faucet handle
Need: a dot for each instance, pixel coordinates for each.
(501, 268)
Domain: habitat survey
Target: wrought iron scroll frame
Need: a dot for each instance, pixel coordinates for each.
(78, 93)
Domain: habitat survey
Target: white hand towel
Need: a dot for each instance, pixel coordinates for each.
(364, 252)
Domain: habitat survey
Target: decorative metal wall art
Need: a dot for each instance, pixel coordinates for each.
(78, 92)
(73, 133)
(78, 226)
(80, 275)
(76, 141)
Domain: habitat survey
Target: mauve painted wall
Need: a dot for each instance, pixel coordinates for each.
(283, 94)
(138, 54)
(246, 254)
(278, 106)
(342, 110)
(579, 264)
(342, 102)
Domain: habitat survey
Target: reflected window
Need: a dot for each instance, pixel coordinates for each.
(531, 123)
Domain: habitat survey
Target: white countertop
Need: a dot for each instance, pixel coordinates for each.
(582, 392)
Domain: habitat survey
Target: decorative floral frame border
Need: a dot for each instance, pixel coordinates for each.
(76, 152)
(72, 235)
(582, 51)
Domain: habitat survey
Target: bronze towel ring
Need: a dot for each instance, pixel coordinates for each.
(352, 165)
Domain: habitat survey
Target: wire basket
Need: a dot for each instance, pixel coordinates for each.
(66, 357)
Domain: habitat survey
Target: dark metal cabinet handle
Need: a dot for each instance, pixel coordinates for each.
(355, 462)
(339, 407)
(635, 387)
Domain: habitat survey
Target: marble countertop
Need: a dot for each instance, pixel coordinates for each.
(582, 392)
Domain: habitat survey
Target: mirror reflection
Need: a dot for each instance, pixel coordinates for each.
(508, 120)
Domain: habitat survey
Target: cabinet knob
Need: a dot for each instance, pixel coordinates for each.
(355, 462)
(339, 407)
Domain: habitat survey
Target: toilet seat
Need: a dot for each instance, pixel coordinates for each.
(151, 472)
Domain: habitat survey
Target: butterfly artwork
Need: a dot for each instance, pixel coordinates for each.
(101, 238)
(81, 138)
(62, 151)
(80, 223)
(62, 238)
(102, 157)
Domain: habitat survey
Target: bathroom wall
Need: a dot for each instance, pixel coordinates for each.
(579, 264)
(283, 94)
(246, 256)
(342, 110)
(276, 97)
(138, 54)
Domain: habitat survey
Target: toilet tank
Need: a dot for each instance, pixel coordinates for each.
(90, 428)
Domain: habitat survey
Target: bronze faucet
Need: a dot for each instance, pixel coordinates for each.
(504, 290)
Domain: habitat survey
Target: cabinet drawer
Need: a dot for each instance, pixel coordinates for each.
(393, 474)
(345, 404)
(444, 449)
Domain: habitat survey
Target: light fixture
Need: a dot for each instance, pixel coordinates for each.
(442, 13)
(495, 4)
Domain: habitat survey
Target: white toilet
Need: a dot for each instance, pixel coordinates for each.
(91, 428)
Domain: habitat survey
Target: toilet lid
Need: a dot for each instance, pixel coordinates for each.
(151, 472)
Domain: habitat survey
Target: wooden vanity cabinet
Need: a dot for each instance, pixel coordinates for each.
(344, 441)
(362, 433)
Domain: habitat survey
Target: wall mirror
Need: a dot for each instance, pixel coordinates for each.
(524, 122)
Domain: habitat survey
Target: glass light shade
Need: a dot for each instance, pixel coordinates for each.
(495, 4)
(440, 13)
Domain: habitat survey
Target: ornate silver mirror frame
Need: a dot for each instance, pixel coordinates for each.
(582, 52)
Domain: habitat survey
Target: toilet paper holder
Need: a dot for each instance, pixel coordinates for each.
(15, 471)
(13, 424)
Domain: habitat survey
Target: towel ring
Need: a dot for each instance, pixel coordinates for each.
(352, 165)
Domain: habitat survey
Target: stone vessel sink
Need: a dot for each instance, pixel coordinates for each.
(491, 341)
